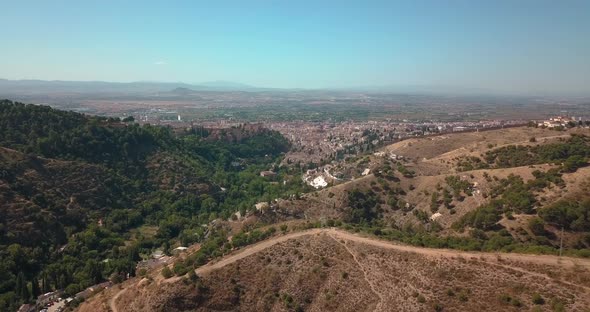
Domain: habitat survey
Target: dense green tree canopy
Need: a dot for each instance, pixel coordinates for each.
(78, 189)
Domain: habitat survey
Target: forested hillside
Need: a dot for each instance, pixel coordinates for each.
(73, 189)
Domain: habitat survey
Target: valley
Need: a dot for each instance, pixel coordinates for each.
(386, 274)
(292, 156)
(116, 216)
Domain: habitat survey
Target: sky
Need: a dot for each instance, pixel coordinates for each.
(518, 46)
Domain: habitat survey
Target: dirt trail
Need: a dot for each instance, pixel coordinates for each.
(373, 288)
(245, 252)
(465, 150)
(565, 262)
(113, 301)
(538, 259)
(248, 251)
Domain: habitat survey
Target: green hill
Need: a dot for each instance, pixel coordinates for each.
(74, 187)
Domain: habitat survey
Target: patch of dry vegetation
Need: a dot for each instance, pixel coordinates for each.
(327, 272)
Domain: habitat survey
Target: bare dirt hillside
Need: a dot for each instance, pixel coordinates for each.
(331, 270)
(430, 147)
(407, 200)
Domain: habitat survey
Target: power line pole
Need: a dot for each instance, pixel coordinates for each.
(561, 242)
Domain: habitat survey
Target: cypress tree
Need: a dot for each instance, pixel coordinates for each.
(22, 289)
(35, 290)
(44, 284)
(20, 281)
(26, 294)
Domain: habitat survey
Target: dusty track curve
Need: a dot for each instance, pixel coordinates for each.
(566, 262)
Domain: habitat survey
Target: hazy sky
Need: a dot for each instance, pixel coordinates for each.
(509, 46)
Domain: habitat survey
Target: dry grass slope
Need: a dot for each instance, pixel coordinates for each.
(328, 270)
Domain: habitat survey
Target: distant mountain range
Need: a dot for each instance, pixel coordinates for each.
(39, 87)
(49, 87)
(59, 86)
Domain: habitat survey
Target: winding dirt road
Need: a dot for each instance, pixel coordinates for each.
(113, 300)
(335, 233)
(338, 235)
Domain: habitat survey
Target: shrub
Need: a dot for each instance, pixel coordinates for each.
(570, 214)
(557, 305)
(437, 307)
(515, 302)
(166, 272)
(510, 300)
(363, 206)
(463, 296)
(505, 298)
(537, 299)
(192, 275)
(573, 163)
(537, 226)
(484, 217)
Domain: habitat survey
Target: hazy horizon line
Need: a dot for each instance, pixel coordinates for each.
(408, 88)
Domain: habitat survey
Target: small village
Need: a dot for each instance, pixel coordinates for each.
(563, 122)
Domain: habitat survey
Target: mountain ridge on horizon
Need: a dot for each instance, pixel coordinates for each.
(39, 86)
(109, 86)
